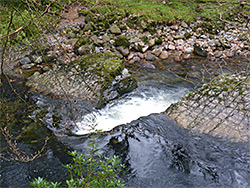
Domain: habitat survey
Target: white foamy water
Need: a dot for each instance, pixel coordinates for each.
(128, 109)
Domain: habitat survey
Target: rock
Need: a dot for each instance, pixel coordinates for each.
(85, 49)
(70, 41)
(199, 51)
(179, 36)
(37, 59)
(143, 25)
(27, 66)
(218, 53)
(105, 38)
(174, 27)
(186, 56)
(164, 55)
(150, 57)
(114, 29)
(229, 53)
(46, 68)
(151, 42)
(102, 73)
(123, 51)
(184, 25)
(122, 41)
(188, 50)
(25, 61)
(177, 58)
(131, 55)
(90, 26)
(148, 65)
(140, 55)
(171, 47)
(157, 51)
(145, 48)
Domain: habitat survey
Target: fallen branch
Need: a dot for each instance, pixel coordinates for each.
(23, 27)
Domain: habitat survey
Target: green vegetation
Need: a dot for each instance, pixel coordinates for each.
(88, 171)
(171, 11)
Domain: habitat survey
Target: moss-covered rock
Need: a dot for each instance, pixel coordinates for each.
(122, 41)
(97, 77)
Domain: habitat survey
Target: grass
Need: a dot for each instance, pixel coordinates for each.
(173, 10)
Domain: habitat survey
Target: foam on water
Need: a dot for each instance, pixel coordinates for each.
(128, 109)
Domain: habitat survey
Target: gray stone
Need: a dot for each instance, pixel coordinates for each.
(46, 68)
(179, 36)
(83, 50)
(151, 42)
(150, 57)
(25, 61)
(37, 59)
(105, 38)
(184, 25)
(28, 66)
(114, 29)
(123, 51)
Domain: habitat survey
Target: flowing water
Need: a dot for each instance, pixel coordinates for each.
(156, 151)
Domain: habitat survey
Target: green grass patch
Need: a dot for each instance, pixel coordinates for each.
(173, 10)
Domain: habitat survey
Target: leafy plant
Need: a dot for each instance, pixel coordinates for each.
(88, 171)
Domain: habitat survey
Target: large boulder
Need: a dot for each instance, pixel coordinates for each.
(220, 108)
(98, 77)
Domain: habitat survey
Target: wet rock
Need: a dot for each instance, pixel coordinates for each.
(150, 57)
(114, 29)
(199, 51)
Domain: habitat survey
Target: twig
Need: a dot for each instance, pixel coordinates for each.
(23, 27)
(6, 42)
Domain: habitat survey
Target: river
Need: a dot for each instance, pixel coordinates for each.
(156, 151)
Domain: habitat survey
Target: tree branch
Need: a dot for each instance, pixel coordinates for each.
(23, 27)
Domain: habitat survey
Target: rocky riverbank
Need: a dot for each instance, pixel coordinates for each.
(131, 39)
(136, 40)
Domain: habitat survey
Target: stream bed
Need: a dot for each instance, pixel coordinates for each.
(156, 151)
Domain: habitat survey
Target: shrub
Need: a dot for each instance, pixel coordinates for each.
(88, 171)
